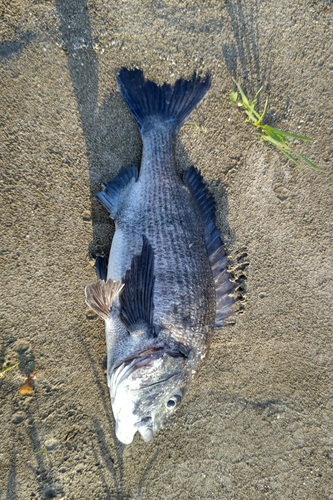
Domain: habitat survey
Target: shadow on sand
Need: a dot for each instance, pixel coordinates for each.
(104, 152)
(243, 57)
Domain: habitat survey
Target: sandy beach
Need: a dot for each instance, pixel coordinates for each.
(257, 423)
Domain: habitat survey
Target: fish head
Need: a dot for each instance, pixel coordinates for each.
(145, 391)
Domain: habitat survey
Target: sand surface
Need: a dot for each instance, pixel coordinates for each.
(258, 421)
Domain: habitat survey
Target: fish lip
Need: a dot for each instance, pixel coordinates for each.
(146, 428)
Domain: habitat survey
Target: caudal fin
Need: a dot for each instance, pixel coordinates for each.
(168, 103)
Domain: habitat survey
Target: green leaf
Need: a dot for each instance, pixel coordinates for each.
(234, 97)
(309, 162)
(294, 136)
(288, 155)
(5, 369)
(254, 100)
(250, 115)
(199, 128)
(30, 366)
(240, 90)
(285, 150)
(263, 113)
(278, 138)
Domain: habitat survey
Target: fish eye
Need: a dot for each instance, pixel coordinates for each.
(174, 401)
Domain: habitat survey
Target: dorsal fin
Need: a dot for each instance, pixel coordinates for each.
(109, 197)
(216, 252)
(136, 300)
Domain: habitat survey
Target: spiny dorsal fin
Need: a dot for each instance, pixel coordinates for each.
(136, 300)
(109, 197)
(100, 296)
(216, 252)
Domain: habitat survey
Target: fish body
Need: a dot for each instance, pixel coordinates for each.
(166, 284)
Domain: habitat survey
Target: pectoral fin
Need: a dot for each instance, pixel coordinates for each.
(136, 300)
(100, 296)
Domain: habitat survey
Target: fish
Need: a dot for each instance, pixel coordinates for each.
(165, 285)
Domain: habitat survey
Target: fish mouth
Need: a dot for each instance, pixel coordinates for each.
(146, 428)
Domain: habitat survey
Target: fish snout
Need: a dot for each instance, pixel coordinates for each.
(125, 430)
(125, 433)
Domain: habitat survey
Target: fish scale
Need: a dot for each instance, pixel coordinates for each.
(176, 253)
(162, 202)
(167, 284)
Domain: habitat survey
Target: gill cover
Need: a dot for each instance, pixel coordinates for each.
(145, 391)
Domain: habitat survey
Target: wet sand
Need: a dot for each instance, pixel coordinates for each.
(257, 422)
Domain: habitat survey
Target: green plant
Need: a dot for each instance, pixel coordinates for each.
(6, 368)
(199, 128)
(276, 137)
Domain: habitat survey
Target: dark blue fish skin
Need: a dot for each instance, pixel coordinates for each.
(166, 235)
(162, 209)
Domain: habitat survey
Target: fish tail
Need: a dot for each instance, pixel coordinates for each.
(149, 102)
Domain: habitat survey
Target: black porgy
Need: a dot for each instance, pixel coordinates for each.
(166, 285)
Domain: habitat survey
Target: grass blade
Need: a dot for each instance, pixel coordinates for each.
(288, 155)
(309, 162)
(283, 145)
(254, 100)
(269, 131)
(234, 97)
(278, 138)
(264, 112)
(285, 148)
(243, 96)
(294, 136)
(6, 369)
